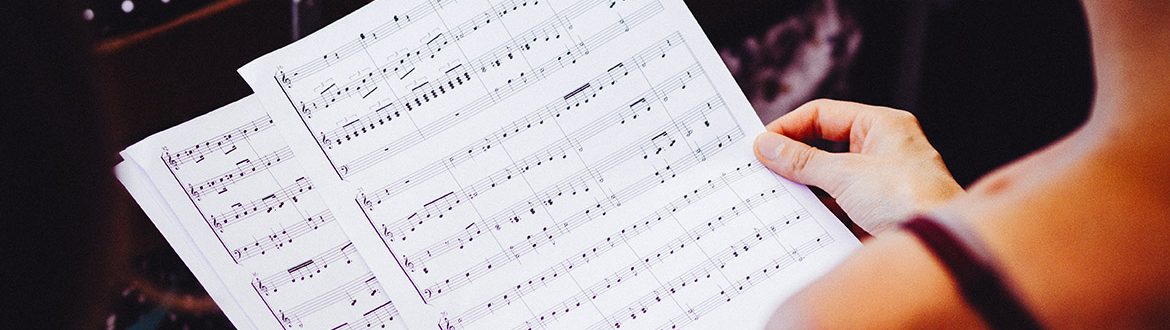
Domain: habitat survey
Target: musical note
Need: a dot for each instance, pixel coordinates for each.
(486, 102)
(534, 242)
(226, 143)
(717, 299)
(569, 183)
(333, 256)
(378, 317)
(704, 272)
(243, 169)
(543, 115)
(428, 50)
(396, 23)
(350, 294)
(605, 245)
(285, 196)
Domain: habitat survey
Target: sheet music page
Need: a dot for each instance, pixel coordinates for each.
(237, 190)
(546, 164)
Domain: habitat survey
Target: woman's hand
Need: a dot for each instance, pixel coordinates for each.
(889, 174)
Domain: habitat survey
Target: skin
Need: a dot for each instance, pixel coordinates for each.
(1080, 229)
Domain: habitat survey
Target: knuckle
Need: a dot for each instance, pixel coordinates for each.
(799, 158)
(903, 116)
(821, 103)
(935, 157)
(901, 120)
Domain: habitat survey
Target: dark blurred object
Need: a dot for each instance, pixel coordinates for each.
(159, 77)
(784, 53)
(113, 17)
(801, 51)
(1001, 79)
(135, 309)
(50, 143)
(166, 296)
(149, 79)
(311, 15)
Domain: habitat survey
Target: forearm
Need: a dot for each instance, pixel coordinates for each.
(892, 283)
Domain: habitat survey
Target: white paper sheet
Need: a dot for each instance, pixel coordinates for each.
(251, 225)
(546, 164)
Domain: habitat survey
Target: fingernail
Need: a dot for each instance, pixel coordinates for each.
(768, 145)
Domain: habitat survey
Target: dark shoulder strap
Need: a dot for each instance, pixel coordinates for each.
(979, 283)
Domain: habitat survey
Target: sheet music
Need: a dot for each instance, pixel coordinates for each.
(241, 210)
(508, 158)
(545, 164)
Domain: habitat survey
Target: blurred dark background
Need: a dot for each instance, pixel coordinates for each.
(989, 80)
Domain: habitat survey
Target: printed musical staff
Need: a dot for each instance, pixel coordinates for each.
(454, 77)
(391, 149)
(345, 253)
(277, 240)
(570, 184)
(704, 271)
(544, 115)
(225, 143)
(400, 21)
(267, 204)
(534, 242)
(514, 213)
(360, 289)
(244, 169)
(617, 240)
(378, 317)
(743, 284)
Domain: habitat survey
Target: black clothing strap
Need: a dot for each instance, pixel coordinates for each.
(980, 285)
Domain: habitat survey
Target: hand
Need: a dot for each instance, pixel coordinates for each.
(889, 174)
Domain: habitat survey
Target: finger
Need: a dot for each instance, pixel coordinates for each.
(802, 163)
(826, 119)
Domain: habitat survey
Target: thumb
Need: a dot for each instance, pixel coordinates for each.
(801, 163)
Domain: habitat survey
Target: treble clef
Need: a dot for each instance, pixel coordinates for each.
(445, 324)
(171, 160)
(406, 263)
(217, 224)
(365, 201)
(284, 79)
(260, 286)
(195, 193)
(305, 110)
(326, 141)
(285, 319)
(386, 233)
